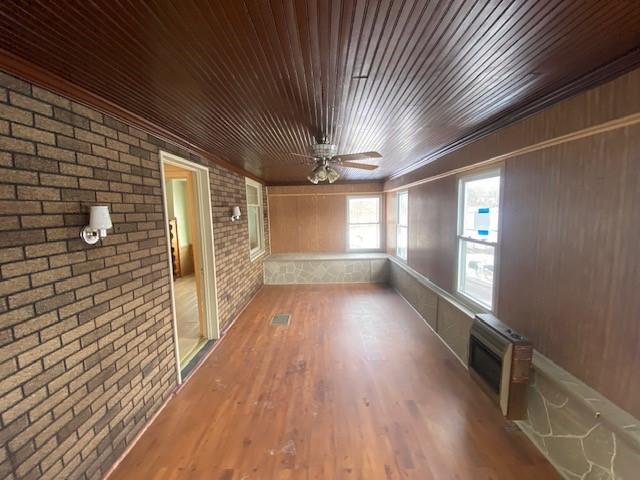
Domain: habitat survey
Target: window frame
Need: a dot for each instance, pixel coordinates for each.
(258, 251)
(493, 171)
(348, 233)
(399, 225)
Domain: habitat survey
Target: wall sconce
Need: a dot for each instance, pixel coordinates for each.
(99, 223)
(235, 214)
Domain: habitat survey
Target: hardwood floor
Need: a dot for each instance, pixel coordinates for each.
(189, 331)
(356, 387)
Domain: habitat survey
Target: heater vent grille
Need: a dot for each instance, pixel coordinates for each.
(281, 319)
(500, 359)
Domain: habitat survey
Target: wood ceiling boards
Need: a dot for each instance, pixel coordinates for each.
(249, 81)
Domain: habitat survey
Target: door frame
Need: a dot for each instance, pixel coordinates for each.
(202, 194)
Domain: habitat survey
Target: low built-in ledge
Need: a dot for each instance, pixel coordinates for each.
(584, 435)
(310, 257)
(310, 268)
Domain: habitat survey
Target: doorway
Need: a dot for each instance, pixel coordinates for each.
(190, 254)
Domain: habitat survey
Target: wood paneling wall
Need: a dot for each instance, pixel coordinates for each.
(311, 218)
(432, 229)
(569, 270)
(432, 234)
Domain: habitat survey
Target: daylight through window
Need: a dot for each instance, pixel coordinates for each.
(402, 232)
(478, 219)
(363, 217)
(254, 218)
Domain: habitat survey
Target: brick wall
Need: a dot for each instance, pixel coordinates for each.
(232, 245)
(86, 339)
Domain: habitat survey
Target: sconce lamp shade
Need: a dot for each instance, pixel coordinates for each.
(235, 213)
(100, 218)
(99, 223)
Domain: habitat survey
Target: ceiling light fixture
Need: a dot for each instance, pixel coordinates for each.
(325, 159)
(332, 174)
(321, 172)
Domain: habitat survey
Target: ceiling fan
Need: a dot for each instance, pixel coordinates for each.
(323, 155)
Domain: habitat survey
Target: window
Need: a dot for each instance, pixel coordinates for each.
(363, 217)
(478, 216)
(255, 218)
(402, 228)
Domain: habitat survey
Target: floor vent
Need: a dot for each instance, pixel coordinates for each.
(280, 319)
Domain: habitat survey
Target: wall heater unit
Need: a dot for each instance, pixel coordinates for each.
(500, 360)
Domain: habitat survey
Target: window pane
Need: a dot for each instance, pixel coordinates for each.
(254, 227)
(480, 210)
(476, 271)
(401, 247)
(403, 208)
(364, 236)
(252, 195)
(364, 210)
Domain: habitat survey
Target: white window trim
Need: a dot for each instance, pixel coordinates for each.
(460, 238)
(398, 224)
(257, 252)
(380, 210)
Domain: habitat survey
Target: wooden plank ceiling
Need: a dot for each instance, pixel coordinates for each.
(250, 81)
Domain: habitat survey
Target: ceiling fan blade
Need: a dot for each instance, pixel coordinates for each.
(350, 157)
(303, 159)
(362, 166)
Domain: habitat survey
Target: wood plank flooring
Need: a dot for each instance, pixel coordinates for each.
(356, 387)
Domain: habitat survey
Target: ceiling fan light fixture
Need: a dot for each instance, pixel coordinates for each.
(324, 155)
(324, 150)
(332, 174)
(320, 172)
